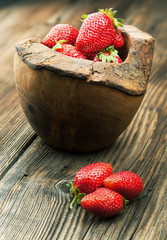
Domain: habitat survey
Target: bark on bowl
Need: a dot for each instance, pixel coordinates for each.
(78, 105)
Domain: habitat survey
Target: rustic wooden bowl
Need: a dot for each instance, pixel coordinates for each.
(78, 105)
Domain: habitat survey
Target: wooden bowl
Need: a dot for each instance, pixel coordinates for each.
(78, 105)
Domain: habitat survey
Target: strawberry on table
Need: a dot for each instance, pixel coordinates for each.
(61, 32)
(98, 31)
(125, 183)
(108, 55)
(103, 202)
(68, 50)
(89, 178)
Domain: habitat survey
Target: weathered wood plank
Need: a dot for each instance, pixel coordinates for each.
(37, 206)
(15, 136)
(43, 194)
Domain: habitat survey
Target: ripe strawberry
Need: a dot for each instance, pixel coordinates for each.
(108, 55)
(98, 31)
(61, 32)
(119, 41)
(91, 56)
(89, 178)
(68, 50)
(103, 202)
(125, 183)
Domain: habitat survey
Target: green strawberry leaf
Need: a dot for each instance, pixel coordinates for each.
(125, 202)
(117, 24)
(71, 186)
(113, 13)
(80, 196)
(84, 16)
(62, 41)
(111, 58)
(120, 25)
(75, 193)
(58, 44)
(109, 12)
(120, 20)
(78, 201)
(108, 58)
(116, 21)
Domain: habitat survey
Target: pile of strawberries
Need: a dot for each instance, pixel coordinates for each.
(102, 192)
(98, 39)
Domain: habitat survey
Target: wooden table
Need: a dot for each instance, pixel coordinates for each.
(34, 199)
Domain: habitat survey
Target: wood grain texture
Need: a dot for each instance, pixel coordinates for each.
(37, 206)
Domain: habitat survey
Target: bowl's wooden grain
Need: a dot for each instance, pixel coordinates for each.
(78, 105)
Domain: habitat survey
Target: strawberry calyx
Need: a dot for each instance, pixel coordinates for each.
(125, 202)
(59, 44)
(84, 16)
(116, 21)
(113, 53)
(76, 194)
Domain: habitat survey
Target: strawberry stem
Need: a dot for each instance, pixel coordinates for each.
(76, 194)
(74, 199)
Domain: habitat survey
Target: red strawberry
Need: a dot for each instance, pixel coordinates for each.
(103, 202)
(98, 31)
(119, 41)
(61, 32)
(91, 56)
(108, 55)
(125, 183)
(89, 178)
(68, 50)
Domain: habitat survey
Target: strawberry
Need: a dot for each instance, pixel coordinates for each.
(68, 50)
(98, 31)
(88, 179)
(61, 32)
(91, 177)
(119, 41)
(103, 202)
(125, 183)
(108, 55)
(91, 56)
